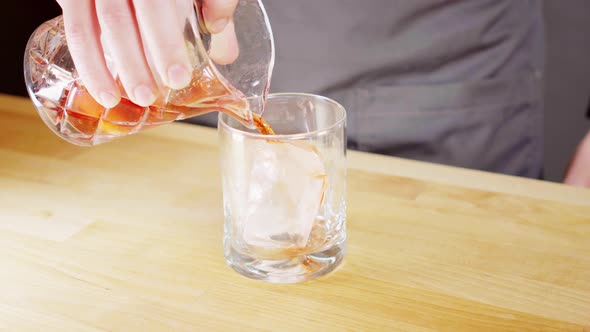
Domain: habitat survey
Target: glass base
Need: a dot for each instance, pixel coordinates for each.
(297, 269)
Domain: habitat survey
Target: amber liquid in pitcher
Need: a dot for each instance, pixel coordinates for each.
(83, 116)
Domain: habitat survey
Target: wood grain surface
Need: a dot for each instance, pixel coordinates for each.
(127, 236)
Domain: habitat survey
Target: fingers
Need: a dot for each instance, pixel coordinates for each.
(162, 36)
(121, 36)
(82, 33)
(224, 47)
(128, 29)
(218, 13)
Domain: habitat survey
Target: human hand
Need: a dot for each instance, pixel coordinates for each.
(133, 28)
(578, 172)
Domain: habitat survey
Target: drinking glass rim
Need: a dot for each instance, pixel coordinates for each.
(298, 136)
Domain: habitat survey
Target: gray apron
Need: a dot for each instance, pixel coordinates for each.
(451, 82)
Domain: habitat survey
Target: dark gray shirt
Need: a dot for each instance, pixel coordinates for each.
(456, 82)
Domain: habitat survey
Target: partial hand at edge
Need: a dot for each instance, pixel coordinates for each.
(578, 172)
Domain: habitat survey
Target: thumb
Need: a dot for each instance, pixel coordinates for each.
(218, 13)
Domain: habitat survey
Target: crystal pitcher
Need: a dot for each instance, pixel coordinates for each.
(238, 89)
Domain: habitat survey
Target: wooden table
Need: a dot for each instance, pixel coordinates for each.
(127, 236)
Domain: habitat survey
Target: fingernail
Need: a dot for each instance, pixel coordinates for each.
(108, 99)
(178, 76)
(218, 26)
(144, 96)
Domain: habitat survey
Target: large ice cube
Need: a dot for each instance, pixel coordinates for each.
(279, 192)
